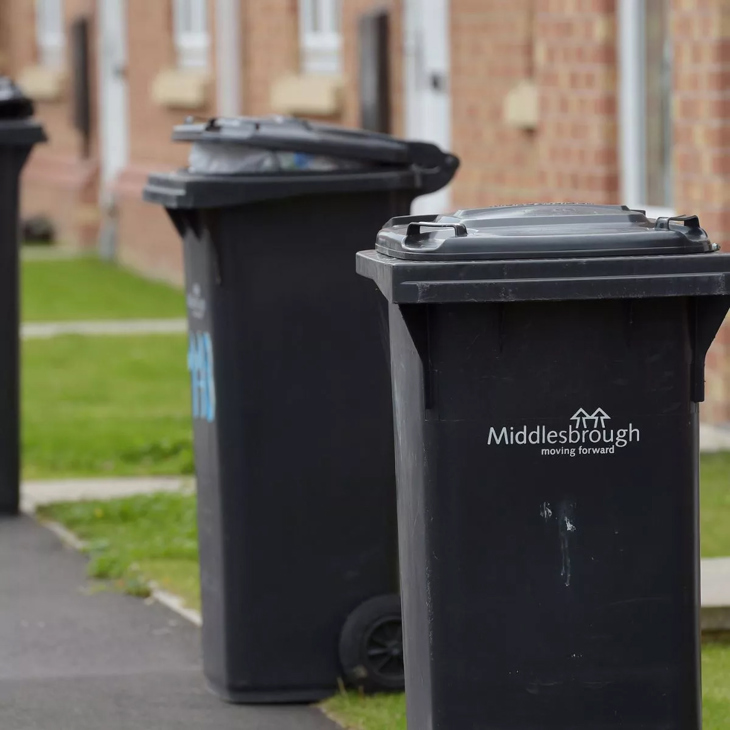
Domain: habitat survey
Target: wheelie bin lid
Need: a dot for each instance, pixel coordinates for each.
(555, 251)
(16, 110)
(291, 134)
(541, 231)
(370, 162)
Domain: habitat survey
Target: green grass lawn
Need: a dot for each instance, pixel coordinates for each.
(106, 406)
(87, 289)
(138, 539)
(715, 505)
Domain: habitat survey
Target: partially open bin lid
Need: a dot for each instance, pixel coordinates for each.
(289, 134)
(13, 103)
(16, 110)
(539, 231)
(371, 163)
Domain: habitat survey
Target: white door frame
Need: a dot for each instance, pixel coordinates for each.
(228, 57)
(631, 42)
(113, 92)
(113, 109)
(427, 64)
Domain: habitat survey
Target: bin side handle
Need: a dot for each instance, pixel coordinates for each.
(706, 314)
(417, 319)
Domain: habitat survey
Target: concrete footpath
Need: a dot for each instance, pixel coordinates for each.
(112, 328)
(74, 658)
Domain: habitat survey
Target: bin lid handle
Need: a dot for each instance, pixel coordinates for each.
(690, 221)
(414, 229)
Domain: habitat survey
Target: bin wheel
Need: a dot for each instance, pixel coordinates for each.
(371, 646)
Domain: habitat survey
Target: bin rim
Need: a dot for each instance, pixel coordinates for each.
(21, 132)
(520, 280)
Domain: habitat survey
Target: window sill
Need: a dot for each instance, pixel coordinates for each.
(521, 106)
(181, 89)
(307, 95)
(41, 83)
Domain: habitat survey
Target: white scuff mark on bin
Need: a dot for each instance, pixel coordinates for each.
(545, 511)
(565, 527)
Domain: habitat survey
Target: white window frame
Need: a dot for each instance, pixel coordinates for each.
(632, 107)
(320, 36)
(192, 37)
(50, 33)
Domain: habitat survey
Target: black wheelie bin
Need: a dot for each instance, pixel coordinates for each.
(548, 366)
(18, 134)
(291, 399)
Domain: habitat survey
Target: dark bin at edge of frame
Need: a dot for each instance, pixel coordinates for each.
(291, 399)
(18, 134)
(547, 365)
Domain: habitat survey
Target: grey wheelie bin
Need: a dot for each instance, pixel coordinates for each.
(18, 134)
(291, 399)
(548, 365)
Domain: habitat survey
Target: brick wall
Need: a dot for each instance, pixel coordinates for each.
(146, 240)
(576, 75)
(491, 52)
(58, 182)
(4, 40)
(567, 47)
(270, 48)
(701, 33)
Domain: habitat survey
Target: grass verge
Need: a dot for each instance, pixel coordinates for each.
(108, 406)
(90, 289)
(715, 505)
(138, 539)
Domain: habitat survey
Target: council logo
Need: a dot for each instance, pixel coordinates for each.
(587, 433)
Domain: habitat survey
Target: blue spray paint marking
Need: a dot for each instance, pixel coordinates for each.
(202, 377)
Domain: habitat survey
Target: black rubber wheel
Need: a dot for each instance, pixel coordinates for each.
(371, 646)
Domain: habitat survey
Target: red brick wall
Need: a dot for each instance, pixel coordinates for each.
(270, 48)
(57, 182)
(576, 75)
(4, 40)
(568, 48)
(491, 51)
(146, 240)
(701, 32)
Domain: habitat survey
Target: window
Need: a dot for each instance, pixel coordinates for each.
(192, 41)
(645, 63)
(50, 33)
(320, 39)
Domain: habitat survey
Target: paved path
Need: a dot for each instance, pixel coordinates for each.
(716, 594)
(714, 438)
(44, 330)
(51, 253)
(36, 493)
(74, 659)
